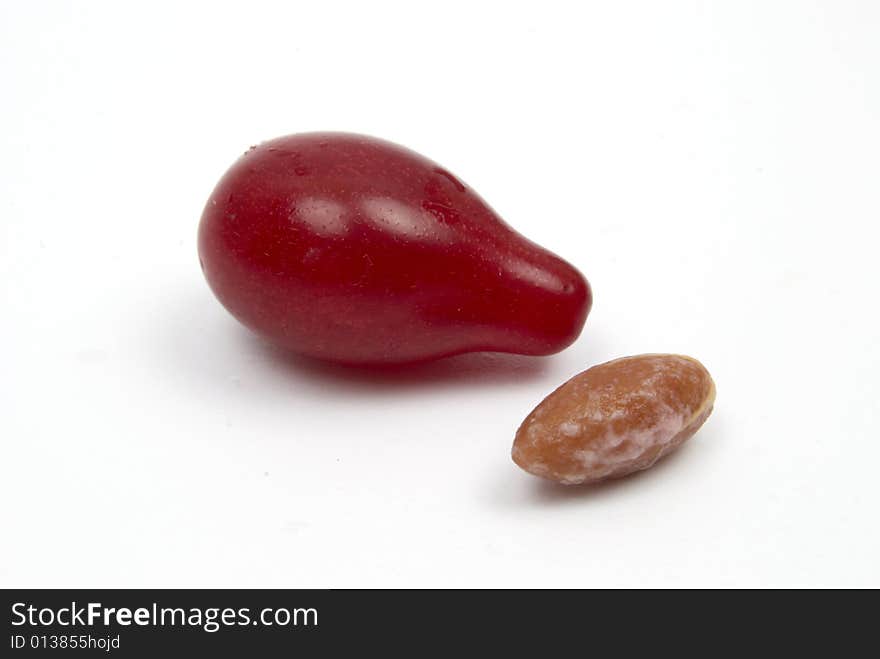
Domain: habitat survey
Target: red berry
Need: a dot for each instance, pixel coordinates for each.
(353, 249)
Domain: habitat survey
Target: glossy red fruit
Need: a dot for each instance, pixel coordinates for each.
(356, 250)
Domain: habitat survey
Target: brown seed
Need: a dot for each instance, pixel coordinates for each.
(615, 418)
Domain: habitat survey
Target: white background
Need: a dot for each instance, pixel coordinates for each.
(713, 169)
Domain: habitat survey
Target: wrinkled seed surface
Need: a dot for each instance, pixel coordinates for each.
(615, 418)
